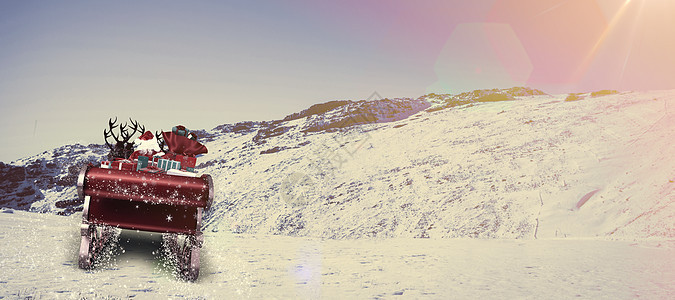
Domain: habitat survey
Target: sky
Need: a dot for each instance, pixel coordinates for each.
(68, 66)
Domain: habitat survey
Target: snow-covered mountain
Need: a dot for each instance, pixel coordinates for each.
(46, 182)
(513, 163)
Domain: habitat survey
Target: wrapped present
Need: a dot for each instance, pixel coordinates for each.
(151, 169)
(169, 155)
(143, 162)
(166, 164)
(186, 161)
(180, 130)
(123, 164)
(105, 164)
(181, 173)
(190, 170)
(155, 160)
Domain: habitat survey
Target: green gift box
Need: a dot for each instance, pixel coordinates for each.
(166, 164)
(142, 162)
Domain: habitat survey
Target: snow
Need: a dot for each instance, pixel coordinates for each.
(509, 169)
(538, 197)
(38, 255)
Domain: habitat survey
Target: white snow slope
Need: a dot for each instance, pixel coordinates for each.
(534, 167)
(38, 260)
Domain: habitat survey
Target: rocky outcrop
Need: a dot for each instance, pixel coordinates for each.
(39, 183)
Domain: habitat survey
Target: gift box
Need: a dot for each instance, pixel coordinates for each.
(169, 156)
(186, 161)
(181, 173)
(155, 160)
(166, 164)
(143, 162)
(105, 164)
(151, 169)
(125, 165)
(180, 130)
(190, 170)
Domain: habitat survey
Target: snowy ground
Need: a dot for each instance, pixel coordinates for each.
(38, 259)
(535, 167)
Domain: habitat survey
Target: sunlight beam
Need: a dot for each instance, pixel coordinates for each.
(552, 8)
(593, 52)
(632, 37)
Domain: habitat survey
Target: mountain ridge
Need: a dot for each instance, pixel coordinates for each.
(466, 166)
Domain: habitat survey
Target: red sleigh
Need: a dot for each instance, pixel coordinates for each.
(164, 202)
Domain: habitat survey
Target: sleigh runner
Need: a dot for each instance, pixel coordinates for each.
(138, 195)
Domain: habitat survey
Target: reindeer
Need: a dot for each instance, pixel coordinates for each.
(122, 148)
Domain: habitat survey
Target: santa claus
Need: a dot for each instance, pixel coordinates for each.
(146, 145)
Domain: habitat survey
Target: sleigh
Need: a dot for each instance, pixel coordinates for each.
(164, 202)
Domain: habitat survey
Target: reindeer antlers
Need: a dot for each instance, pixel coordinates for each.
(124, 134)
(134, 126)
(160, 141)
(110, 133)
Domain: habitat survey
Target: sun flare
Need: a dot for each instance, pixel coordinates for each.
(610, 27)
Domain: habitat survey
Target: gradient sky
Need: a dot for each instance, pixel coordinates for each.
(67, 66)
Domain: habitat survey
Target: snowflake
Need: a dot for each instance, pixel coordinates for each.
(169, 218)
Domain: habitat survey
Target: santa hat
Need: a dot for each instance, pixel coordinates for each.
(146, 136)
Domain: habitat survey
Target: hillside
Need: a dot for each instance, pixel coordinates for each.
(511, 163)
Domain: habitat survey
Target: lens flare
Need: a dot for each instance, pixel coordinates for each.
(594, 50)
